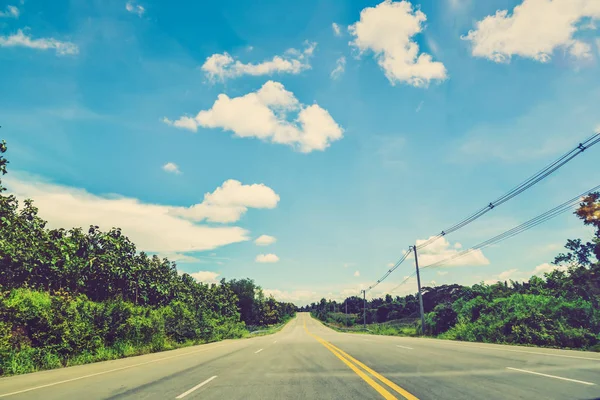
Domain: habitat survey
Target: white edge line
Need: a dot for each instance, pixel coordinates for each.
(182, 395)
(104, 372)
(404, 347)
(551, 376)
(258, 351)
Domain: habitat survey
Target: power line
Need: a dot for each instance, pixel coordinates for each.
(566, 206)
(396, 265)
(549, 169)
(403, 282)
(586, 144)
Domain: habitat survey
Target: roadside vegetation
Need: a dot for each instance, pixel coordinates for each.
(76, 296)
(561, 309)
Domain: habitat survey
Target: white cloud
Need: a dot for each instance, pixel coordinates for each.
(223, 66)
(534, 29)
(266, 258)
(264, 114)
(229, 202)
(20, 39)
(441, 249)
(387, 30)
(208, 277)
(265, 240)
(340, 67)
(179, 257)
(11, 12)
(581, 50)
(442, 273)
(391, 265)
(547, 268)
(135, 8)
(171, 167)
(336, 29)
(298, 297)
(517, 275)
(508, 274)
(152, 227)
(356, 273)
(183, 123)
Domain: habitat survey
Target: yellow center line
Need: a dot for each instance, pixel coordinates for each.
(380, 389)
(382, 378)
(349, 359)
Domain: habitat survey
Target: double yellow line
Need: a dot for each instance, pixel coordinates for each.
(354, 365)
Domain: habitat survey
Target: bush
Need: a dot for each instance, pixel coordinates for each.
(526, 319)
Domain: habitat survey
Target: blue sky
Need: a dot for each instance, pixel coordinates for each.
(128, 113)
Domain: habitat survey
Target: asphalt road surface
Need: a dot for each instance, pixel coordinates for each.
(307, 360)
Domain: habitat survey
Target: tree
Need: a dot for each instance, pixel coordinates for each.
(585, 253)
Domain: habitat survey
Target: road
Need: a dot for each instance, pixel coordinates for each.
(307, 360)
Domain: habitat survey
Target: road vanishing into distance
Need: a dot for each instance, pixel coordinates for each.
(306, 360)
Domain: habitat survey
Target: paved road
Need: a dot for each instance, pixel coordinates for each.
(307, 360)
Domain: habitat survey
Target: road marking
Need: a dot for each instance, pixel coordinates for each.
(182, 395)
(404, 347)
(551, 376)
(522, 351)
(380, 389)
(258, 351)
(105, 372)
(377, 375)
(347, 359)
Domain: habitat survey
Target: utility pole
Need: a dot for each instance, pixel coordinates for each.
(346, 312)
(420, 295)
(364, 309)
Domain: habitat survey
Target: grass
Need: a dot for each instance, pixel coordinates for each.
(32, 359)
(385, 329)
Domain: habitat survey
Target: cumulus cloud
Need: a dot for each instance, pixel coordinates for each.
(515, 274)
(152, 227)
(207, 277)
(21, 39)
(229, 202)
(10, 12)
(135, 8)
(265, 115)
(266, 258)
(508, 274)
(441, 249)
(171, 167)
(298, 297)
(534, 29)
(356, 273)
(340, 67)
(180, 258)
(388, 30)
(182, 123)
(336, 29)
(541, 269)
(223, 66)
(265, 240)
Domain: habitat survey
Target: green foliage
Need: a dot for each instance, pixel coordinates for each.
(73, 296)
(562, 309)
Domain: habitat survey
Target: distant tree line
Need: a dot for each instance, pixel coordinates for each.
(69, 296)
(562, 309)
